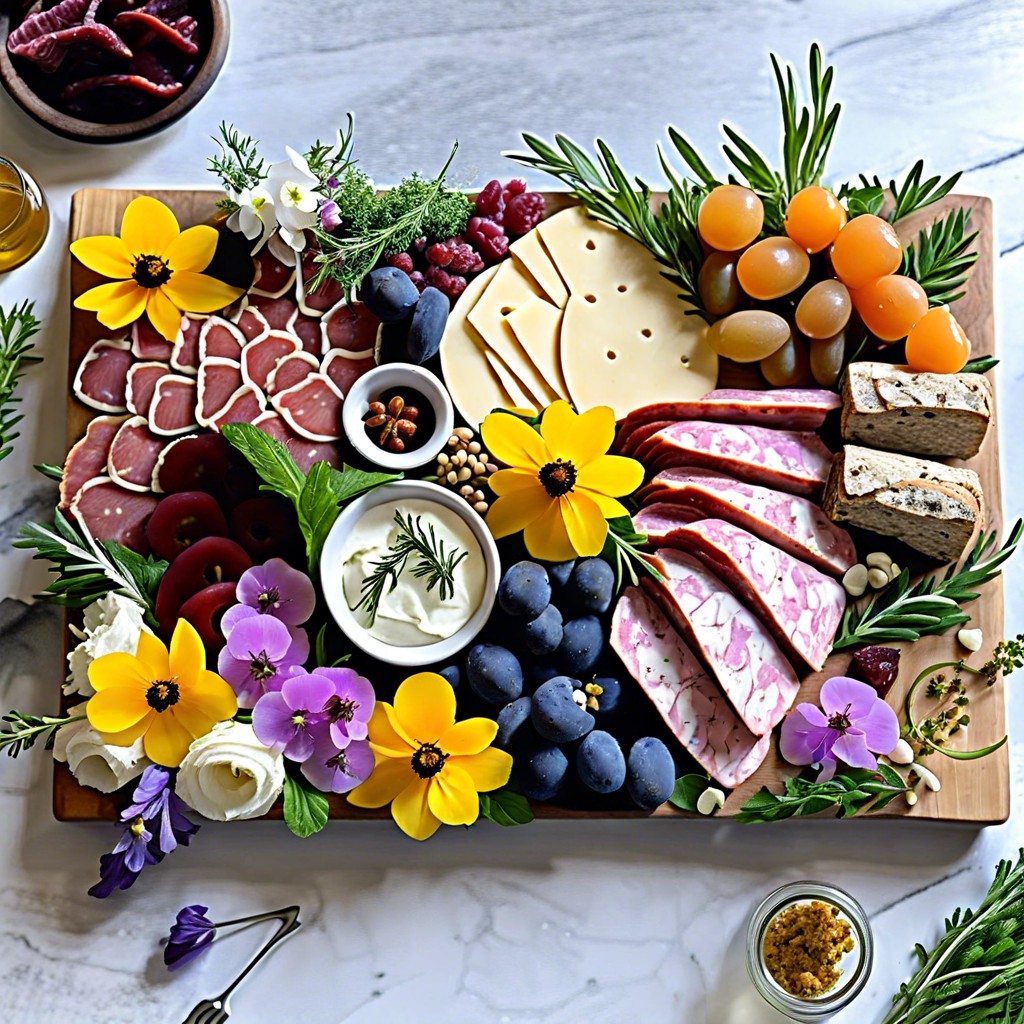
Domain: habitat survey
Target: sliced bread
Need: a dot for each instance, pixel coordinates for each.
(930, 507)
(941, 414)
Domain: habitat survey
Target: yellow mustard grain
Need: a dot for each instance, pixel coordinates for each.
(802, 946)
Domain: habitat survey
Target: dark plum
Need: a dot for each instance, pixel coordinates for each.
(510, 718)
(266, 527)
(608, 698)
(651, 773)
(591, 586)
(494, 674)
(543, 634)
(600, 763)
(205, 610)
(452, 673)
(388, 293)
(180, 520)
(198, 463)
(540, 769)
(525, 590)
(560, 572)
(555, 714)
(581, 646)
(427, 326)
(537, 674)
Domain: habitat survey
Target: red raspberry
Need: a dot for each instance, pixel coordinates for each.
(437, 276)
(457, 285)
(488, 202)
(463, 257)
(439, 254)
(402, 260)
(516, 187)
(523, 213)
(487, 238)
(419, 280)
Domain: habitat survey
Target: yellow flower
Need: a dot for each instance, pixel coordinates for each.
(169, 698)
(561, 487)
(429, 767)
(157, 270)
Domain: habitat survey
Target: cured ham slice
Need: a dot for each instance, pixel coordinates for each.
(142, 381)
(148, 344)
(109, 512)
(751, 670)
(252, 324)
(305, 453)
(309, 331)
(277, 312)
(796, 525)
(273, 278)
(261, 356)
(792, 461)
(800, 606)
(290, 370)
(185, 358)
(629, 439)
(173, 409)
(312, 408)
(243, 407)
(88, 457)
(328, 295)
(133, 454)
(344, 371)
(350, 326)
(102, 378)
(686, 697)
(220, 338)
(219, 379)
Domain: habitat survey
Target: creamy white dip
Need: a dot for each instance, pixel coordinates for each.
(410, 615)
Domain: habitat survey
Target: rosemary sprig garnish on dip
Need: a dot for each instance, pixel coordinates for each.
(16, 329)
(905, 612)
(434, 563)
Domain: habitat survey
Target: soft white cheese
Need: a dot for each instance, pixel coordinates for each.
(112, 625)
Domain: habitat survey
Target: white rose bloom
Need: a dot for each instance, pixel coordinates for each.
(228, 774)
(112, 625)
(94, 763)
(296, 199)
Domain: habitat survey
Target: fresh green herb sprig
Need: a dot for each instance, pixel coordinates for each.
(28, 730)
(17, 328)
(856, 791)
(980, 365)
(905, 612)
(622, 551)
(974, 974)
(940, 261)
(433, 562)
(328, 160)
(913, 194)
(239, 164)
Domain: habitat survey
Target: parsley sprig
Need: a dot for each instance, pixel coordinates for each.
(905, 612)
(17, 327)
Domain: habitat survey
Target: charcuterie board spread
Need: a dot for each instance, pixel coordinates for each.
(585, 503)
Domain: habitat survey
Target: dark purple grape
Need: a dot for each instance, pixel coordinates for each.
(600, 763)
(555, 714)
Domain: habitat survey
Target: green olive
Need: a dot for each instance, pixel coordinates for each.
(788, 366)
(749, 335)
(717, 285)
(827, 359)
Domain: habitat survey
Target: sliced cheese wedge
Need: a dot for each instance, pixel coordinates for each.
(530, 252)
(537, 326)
(519, 398)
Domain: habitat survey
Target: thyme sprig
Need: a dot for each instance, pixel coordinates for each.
(905, 612)
(17, 327)
(239, 165)
(940, 260)
(29, 729)
(434, 562)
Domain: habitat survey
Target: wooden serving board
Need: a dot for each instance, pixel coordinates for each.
(973, 792)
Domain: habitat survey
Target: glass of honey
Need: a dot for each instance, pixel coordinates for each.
(24, 218)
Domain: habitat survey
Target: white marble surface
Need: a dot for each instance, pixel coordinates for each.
(555, 923)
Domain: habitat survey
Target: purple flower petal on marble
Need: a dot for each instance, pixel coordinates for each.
(278, 590)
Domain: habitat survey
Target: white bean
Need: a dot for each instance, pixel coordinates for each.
(855, 580)
(877, 578)
(878, 560)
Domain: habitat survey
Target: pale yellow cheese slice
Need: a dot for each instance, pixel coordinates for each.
(529, 251)
(509, 289)
(519, 398)
(537, 326)
(475, 388)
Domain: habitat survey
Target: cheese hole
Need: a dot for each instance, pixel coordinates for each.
(590, 244)
(505, 310)
(685, 360)
(612, 355)
(590, 298)
(646, 332)
(621, 288)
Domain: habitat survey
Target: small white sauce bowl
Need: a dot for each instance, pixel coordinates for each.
(332, 576)
(381, 379)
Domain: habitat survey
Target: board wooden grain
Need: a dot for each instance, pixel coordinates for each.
(973, 792)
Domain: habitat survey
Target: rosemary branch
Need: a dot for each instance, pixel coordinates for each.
(16, 329)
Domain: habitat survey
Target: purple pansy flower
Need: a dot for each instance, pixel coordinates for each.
(260, 654)
(349, 709)
(330, 216)
(287, 720)
(852, 725)
(334, 770)
(191, 933)
(278, 590)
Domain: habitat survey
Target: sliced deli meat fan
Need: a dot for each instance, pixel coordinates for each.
(134, 453)
(220, 338)
(312, 408)
(148, 344)
(290, 370)
(219, 379)
(109, 512)
(88, 457)
(261, 356)
(185, 358)
(173, 409)
(142, 381)
(102, 378)
(242, 407)
(350, 326)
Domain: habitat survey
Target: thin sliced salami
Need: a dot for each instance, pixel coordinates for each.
(219, 379)
(261, 356)
(88, 457)
(327, 296)
(350, 326)
(309, 331)
(185, 358)
(243, 407)
(142, 381)
(134, 453)
(312, 408)
(273, 278)
(220, 338)
(173, 409)
(149, 344)
(290, 370)
(109, 512)
(102, 377)
(344, 370)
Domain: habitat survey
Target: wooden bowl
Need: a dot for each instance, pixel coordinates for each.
(215, 12)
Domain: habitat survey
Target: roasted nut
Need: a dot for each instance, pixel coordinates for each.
(396, 444)
(396, 405)
(406, 428)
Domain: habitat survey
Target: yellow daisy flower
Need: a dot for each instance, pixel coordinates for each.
(562, 486)
(157, 270)
(429, 767)
(169, 698)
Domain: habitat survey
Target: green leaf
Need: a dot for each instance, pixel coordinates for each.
(505, 807)
(146, 571)
(865, 200)
(305, 809)
(317, 507)
(50, 470)
(348, 483)
(980, 365)
(271, 460)
(687, 791)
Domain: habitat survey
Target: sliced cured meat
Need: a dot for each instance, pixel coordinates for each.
(109, 512)
(309, 331)
(305, 453)
(782, 408)
(290, 370)
(629, 439)
(242, 407)
(686, 697)
(134, 453)
(751, 670)
(173, 409)
(277, 312)
(796, 525)
(219, 379)
(142, 381)
(261, 356)
(344, 371)
(273, 278)
(792, 461)
(220, 338)
(312, 408)
(350, 326)
(252, 323)
(185, 358)
(198, 462)
(800, 606)
(102, 377)
(327, 296)
(272, 424)
(149, 344)
(88, 457)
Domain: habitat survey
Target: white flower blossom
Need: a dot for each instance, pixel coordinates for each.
(92, 761)
(112, 625)
(295, 190)
(256, 216)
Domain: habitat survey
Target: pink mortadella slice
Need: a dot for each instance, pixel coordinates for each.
(102, 378)
(109, 512)
(134, 453)
(88, 457)
(312, 408)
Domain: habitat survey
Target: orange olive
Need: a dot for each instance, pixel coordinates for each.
(730, 217)
(937, 343)
(814, 217)
(891, 306)
(824, 310)
(772, 268)
(866, 249)
(748, 336)
(827, 356)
